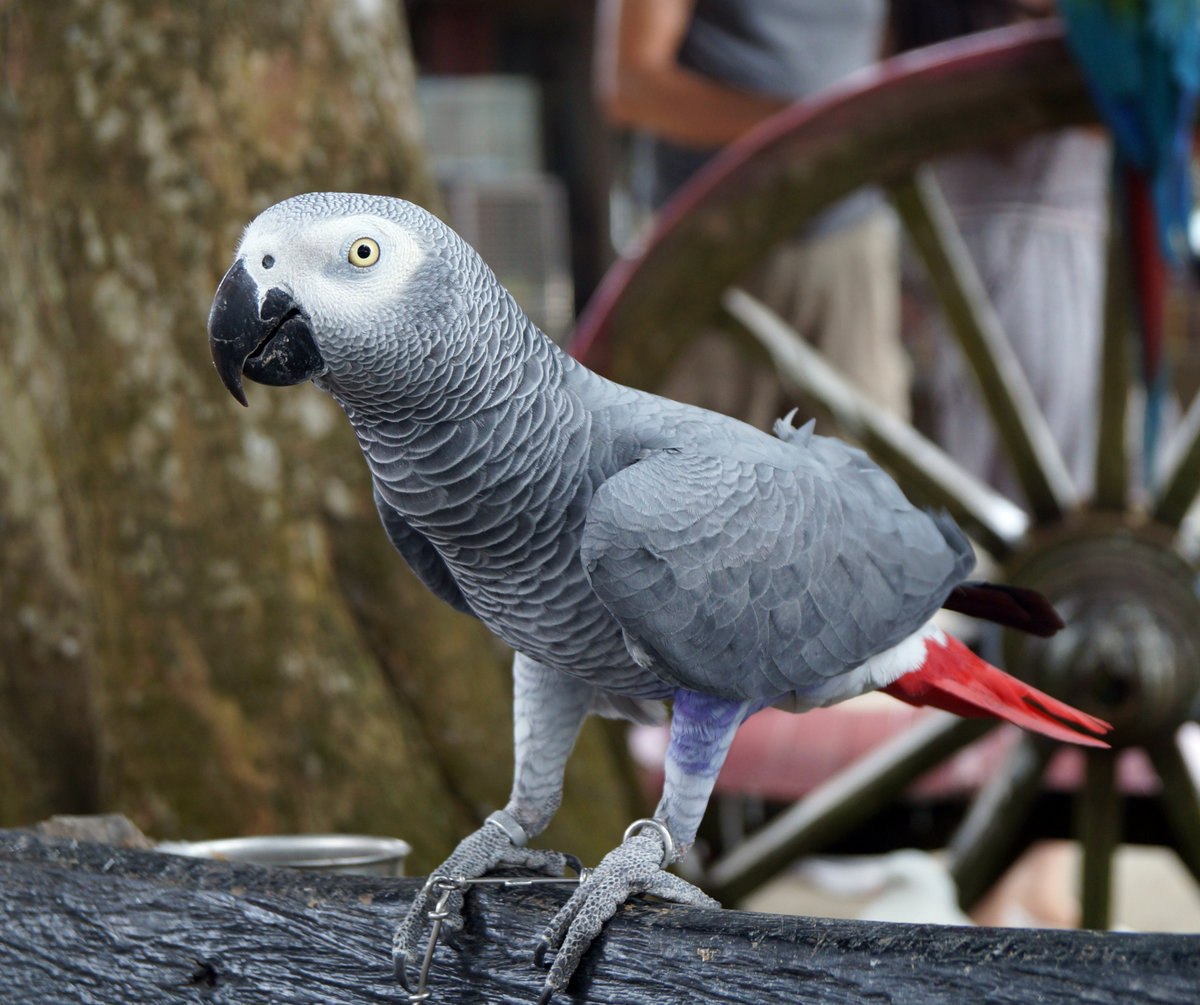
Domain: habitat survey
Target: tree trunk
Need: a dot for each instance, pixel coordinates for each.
(201, 624)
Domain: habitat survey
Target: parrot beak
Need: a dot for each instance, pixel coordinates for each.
(272, 345)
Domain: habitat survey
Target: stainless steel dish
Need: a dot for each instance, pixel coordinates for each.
(346, 853)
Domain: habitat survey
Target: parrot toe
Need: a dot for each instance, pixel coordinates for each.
(400, 969)
(437, 907)
(635, 866)
(539, 953)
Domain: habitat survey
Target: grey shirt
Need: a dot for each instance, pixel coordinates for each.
(783, 48)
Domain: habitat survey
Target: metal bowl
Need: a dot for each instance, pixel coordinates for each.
(347, 853)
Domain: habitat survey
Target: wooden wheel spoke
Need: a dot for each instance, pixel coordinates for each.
(1112, 461)
(922, 467)
(841, 802)
(1181, 800)
(1022, 429)
(981, 846)
(1182, 479)
(1098, 828)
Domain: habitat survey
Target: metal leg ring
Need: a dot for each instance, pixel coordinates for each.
(509, 825)
(660, 828)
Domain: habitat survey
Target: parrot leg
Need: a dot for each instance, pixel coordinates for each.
(548, 709)
(702, 728)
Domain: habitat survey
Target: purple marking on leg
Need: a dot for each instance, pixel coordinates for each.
(701, 730)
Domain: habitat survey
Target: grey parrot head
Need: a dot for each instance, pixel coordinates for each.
(362, 293)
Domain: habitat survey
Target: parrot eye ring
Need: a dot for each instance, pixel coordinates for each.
(364, 252)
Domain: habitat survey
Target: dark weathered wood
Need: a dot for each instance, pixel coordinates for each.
(986, 842)
(1099, 827)
(1178, 487)
(1180, 799)
(91, 923)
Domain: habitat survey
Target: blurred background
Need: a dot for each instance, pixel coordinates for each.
(202, 626)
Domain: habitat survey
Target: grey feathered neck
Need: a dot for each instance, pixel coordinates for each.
(460, 343)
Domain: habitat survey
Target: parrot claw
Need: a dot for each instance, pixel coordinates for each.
(635, 866)
(400, 969)
(440, 901)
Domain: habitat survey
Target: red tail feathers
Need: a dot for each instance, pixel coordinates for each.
(955, 679)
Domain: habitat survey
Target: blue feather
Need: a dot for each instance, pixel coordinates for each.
(1142, 62)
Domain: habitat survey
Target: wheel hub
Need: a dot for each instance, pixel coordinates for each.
(1131, 650)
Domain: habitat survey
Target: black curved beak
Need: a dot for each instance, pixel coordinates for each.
(274, 345)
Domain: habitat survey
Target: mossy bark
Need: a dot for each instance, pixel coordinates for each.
(201, 623)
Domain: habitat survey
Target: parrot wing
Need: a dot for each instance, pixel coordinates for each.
(758, 579)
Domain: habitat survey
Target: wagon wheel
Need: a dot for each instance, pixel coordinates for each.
(1118, 570)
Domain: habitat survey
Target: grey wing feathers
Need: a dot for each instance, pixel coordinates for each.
(756, 579)
(421, 556)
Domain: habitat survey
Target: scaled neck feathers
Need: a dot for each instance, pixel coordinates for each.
(487, 414)
(468, 348)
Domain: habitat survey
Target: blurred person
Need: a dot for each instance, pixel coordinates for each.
(1034, 217)
(690, 76)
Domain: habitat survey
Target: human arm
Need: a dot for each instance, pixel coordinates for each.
(640, 83)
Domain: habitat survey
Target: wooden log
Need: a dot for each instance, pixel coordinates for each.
(88, 922)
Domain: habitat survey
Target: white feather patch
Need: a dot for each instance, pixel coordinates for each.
(904, 657)
(879, 671)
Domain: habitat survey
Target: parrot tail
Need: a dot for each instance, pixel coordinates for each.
(1010, 606)
(954, 679)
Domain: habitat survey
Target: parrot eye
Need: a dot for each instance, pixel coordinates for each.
(364, 253)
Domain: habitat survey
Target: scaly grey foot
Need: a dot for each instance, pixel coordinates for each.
(496, 845)
(637, 865)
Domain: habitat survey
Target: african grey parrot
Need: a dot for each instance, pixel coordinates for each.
(632, 550)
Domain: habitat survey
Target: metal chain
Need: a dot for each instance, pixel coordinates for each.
(446, 887)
